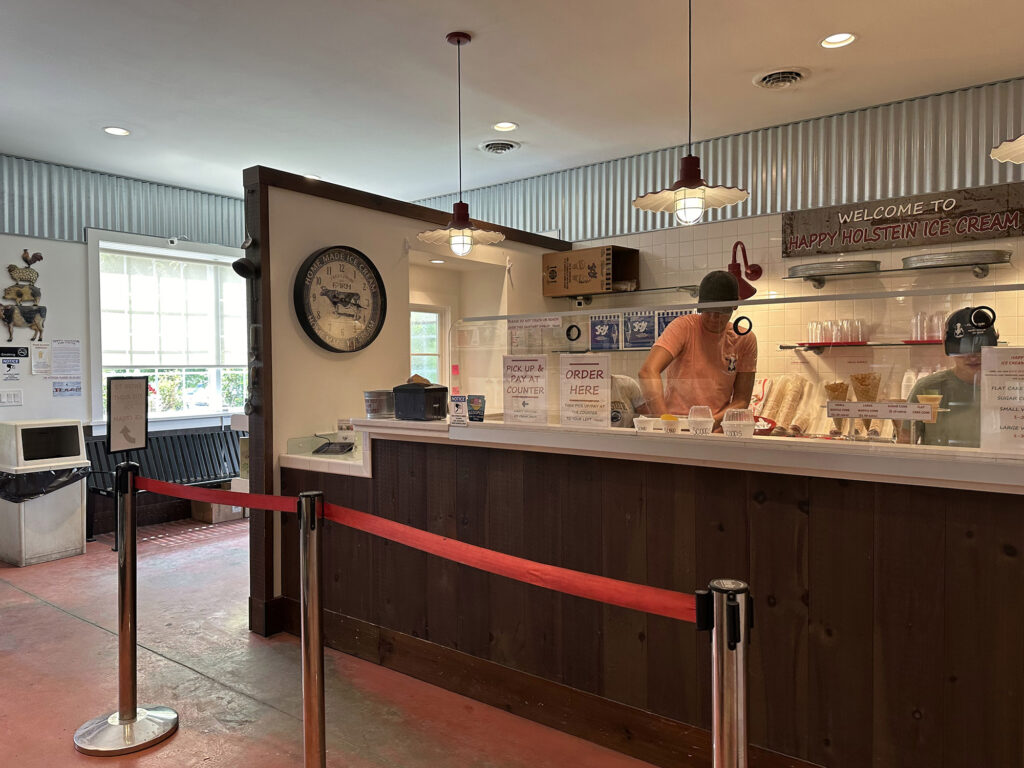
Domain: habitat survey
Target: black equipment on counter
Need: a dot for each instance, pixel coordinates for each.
(421, 402)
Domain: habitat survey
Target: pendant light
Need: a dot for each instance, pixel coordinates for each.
(690, 195)
(1009, 151)
(460, 235)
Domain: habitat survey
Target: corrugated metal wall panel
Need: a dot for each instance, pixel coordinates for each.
(41, 199)
(929, 144)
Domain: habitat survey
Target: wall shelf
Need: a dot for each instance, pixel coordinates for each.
(588, 298)
(819, 348)
(977, 270)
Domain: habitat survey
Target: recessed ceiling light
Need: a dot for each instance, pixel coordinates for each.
(838, 40)
(437, 261)
(312, 176)
(113, 130)
(505, 125)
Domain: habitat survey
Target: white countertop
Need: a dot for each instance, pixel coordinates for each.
(877, 462)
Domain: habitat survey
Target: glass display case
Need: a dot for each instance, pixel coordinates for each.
(811, 345)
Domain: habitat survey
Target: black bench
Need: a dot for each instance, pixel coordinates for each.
(194, 457)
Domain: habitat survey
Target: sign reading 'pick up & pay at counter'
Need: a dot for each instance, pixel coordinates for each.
(983, 213)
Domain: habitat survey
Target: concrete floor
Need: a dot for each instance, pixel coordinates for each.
(237, 694)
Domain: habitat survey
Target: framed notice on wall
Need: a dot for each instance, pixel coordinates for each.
(127, 413)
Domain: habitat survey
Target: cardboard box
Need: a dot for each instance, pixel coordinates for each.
(205, 512)
(590, 271)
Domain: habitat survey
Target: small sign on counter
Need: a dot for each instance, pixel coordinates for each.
(847, 409)
(459, 411)
(1002, 399)
(524, 382)
(585, 391)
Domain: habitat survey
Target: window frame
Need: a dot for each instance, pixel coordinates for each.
(170, 248)
(443, 335)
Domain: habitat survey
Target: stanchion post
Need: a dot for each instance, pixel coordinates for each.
(130, 728)
(311, 523)
(726, 608)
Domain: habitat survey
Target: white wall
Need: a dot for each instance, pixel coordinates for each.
(62, 281)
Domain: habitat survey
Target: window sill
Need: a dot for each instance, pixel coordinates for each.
(182, 421)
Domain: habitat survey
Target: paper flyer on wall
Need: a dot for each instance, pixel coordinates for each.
(524, 381)
(639, 328)
(666, 316)
(604, 331)
(66, 357)
(1002, 399)
(40, 351)
(585, 391)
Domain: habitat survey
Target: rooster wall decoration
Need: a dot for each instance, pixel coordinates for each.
(23, 290)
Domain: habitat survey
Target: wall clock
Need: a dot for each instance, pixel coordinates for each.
(340, 299)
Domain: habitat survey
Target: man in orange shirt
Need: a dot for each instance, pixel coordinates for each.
(705, 361)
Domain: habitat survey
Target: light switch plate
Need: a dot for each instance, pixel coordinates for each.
(10, 397)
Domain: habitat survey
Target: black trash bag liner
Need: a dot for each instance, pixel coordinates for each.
(32, 485)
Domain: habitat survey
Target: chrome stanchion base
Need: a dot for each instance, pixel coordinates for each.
(109, 735)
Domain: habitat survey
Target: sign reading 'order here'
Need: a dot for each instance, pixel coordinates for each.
(984, 213)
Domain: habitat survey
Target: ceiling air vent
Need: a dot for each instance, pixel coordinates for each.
(499, 146)
(775, 81)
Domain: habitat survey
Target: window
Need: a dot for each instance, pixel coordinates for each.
(428, 342)
(179, 319)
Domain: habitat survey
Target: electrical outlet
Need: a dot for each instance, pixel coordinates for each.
(10, 397)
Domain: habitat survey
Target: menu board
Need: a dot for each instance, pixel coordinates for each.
(639, 329)
(604, 331)
(1002, 399)
(585, 391)
(524, 382)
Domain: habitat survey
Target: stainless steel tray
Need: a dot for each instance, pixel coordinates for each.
(829, 268)
(955, 259)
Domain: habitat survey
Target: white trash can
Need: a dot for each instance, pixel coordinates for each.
(42, 493)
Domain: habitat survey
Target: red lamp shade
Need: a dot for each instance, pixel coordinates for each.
(749, 271)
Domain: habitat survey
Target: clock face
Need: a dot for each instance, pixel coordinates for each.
(340, 299)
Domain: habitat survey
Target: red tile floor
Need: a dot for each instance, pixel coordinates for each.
(237, 694)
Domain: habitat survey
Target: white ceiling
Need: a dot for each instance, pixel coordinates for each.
(362, 92)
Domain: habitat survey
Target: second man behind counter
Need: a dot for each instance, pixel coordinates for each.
(705, 361)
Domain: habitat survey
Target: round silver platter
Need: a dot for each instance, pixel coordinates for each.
(955, 259)
(829, 268)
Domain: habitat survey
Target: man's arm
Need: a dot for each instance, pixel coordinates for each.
(742, 388)
(650, 379)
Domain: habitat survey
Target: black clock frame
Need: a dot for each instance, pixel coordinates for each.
(298, 298)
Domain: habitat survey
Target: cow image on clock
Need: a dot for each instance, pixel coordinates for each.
(339, 299)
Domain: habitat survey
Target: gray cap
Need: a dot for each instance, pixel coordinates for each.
(718, 286)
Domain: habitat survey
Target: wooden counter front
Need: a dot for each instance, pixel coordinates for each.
(888, 624)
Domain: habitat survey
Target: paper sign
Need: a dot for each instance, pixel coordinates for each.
(66, 357)
(10, 368)
(666, 316)
(127, 413)
(1002, 399)
(40, 356)
(639, 329)
(67, 388)
(534, 322)
(524, 381)
(585, 391)
(459, 411)
(843, 409)
(604, 331)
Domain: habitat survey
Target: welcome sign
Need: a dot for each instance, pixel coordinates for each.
(984, 213)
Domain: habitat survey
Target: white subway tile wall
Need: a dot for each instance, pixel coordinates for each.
(682, 256)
